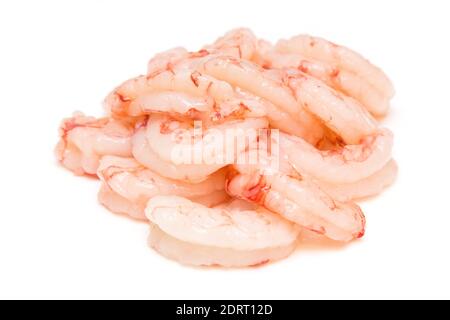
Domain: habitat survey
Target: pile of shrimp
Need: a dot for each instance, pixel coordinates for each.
(323, 100)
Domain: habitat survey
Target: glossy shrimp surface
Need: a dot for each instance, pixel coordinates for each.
(221, 227)
(230, 152)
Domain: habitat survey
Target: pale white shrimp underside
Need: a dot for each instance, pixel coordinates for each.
(200, 255)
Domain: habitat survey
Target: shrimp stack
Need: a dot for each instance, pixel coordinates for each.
(321, 100)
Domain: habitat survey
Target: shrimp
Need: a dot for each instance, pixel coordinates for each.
(115, 203)
(236, 229)
(302, 202)
(165, 60)
(343, 115)
(341, 58)
(347, 164)
(341, 80)
(251, 78)
(185, 172)
(83, 140)
(240, 43)
(207, 256)
(165, 135)
(205, 156)
(131, 181)
(364, 188)
(187, 93)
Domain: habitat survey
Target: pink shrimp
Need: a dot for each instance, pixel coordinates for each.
(302, 202)
(83, 140)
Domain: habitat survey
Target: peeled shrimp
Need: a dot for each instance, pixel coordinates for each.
(250, 78)
(137, 184)
(164, 135)
(363, 188)
(83, 140)
(230, 151)
(214, 158)
(339, 56)
(347, 164)
(165, 60)
(219, 227)
(343, 115)
(240, 43)
(341, 80)
(302, 202)
(200, 255)
(114, 202)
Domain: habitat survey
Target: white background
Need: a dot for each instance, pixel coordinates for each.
(56, 241)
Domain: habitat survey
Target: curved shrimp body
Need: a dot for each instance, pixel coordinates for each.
(115, 203)
(222, 227)
(347, 164)
(185, 172)
(343, 115)
(341, 80)
(83, 140)
(164, 135)
(131, 181)
(168, 158)
(207, 256)
(340, 57)
(240, 43)
(251, 78)
(186, 92)
(363, 188)
(302, 202)
(166, 60)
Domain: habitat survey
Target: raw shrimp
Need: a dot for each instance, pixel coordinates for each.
(165, 60)
(347, 164)
(165, 134)
(220, 227)
(341, 57)
(240, 43)
(212, 156)
(343, 115)
(364, 188)
(340, 80)
(229, 152)
(114, 202)
(200, 255)
(251, 78)
(278, 118)
(137, 184)
(186, 172)
(188, 93)
(83, 140)
(302, 202)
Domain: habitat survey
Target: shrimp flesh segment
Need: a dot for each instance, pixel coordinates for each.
(165, 135)
(185, 172)
(136, 96)
(240, 43)
(364, 188)
(343, 115)
(161, 153)
(169, 102)
(347, 164)
(341, 80)
(220, 227)
(115, 203)
(251, 78)
(207, 256)
(302, 202)
(83, 140)
(166, 60)
(131, 181)
(340, 57)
